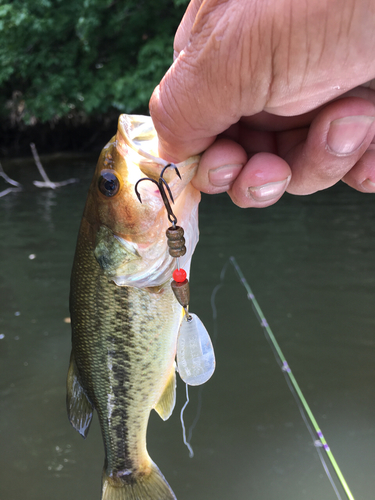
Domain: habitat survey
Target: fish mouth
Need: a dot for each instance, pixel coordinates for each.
(137, 140)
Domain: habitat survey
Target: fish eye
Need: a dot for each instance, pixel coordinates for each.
(109, 184)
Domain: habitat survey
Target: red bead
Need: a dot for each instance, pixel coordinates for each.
(179, 275)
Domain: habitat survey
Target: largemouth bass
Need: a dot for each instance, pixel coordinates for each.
(125, 317)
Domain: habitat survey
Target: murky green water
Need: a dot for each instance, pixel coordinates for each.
(310, 262)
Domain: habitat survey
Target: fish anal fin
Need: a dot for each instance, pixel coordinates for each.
(149, 485)
(79, 407)
(166, 403)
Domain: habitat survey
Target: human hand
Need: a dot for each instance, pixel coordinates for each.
(279, 94)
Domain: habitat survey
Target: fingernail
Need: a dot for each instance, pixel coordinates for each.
(346, 135)
(368, 186)
(268, 191)
(224, 175)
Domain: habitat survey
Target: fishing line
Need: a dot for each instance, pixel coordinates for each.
(186, 442)
(303, 407)
(214, 340)
(197, 415)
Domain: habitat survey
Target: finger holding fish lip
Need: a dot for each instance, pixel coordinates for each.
(257, 182)
(337, 145)
(219, 166)
(262, 181)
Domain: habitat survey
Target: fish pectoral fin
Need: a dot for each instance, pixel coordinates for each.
(79, 408)
(167, 400)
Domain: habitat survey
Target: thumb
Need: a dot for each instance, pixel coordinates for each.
(200, 95)
(178, 107)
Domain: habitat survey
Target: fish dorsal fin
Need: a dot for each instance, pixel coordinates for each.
(79, 407)
(166, 403)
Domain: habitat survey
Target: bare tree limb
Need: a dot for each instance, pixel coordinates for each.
(47, 183)
(18, 186)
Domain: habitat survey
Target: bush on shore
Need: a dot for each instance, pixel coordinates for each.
(72, 64)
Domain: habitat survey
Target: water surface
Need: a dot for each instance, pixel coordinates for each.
(310, 262)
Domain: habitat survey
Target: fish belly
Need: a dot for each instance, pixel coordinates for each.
(123, 350)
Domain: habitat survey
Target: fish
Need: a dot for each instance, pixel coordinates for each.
(124, 315)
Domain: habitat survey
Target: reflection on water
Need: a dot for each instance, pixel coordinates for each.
(46, 201)
(310, 263)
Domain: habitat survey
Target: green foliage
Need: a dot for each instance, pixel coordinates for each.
(78, 58)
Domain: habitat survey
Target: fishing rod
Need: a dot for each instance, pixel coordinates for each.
(293, 385)
(302, 404)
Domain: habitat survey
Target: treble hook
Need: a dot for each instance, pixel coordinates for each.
(162, 184)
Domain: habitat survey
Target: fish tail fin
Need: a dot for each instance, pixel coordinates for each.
(134, 486)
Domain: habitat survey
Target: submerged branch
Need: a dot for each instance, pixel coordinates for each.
(18, 186)
(47, 183)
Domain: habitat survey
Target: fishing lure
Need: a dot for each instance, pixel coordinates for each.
(195, 353)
